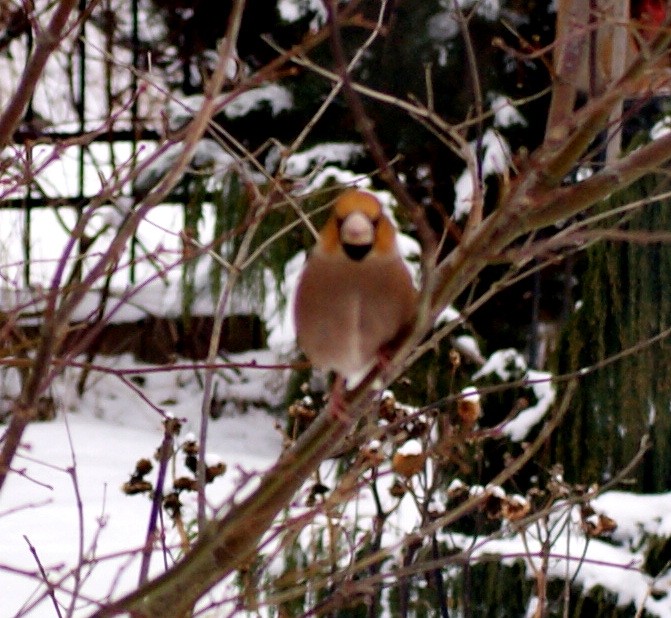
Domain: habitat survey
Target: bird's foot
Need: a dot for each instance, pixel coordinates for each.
(337, 405)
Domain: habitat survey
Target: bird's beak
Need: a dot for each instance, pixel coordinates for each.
(357, 229)
(357, 234)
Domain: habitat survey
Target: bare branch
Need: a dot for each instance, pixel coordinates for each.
(47, 42)
(365, 127)
(45, 577)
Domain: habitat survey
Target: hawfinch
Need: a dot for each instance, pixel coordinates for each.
(355, 293)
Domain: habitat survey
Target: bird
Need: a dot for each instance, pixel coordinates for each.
(355, 296)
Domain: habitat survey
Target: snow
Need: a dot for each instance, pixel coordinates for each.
(343, 154)
(519, 427)
(411, 447)
(489, 9)
(468, 345)
(444, 25)
(57, 169)
(518, 499)
(509, 365)
(92, 446)
(279, 99)
(333, 174)
(293, 10)
(449, 314)
(584, 172)
(208, 155)
(470, 393)
(157, 268)
(496, 491)
(613, 564)
(278, 317)
(505, 113)
(643, 515)
(455, 485)
(111, 428)
(477, 490)
(495, 160)
(53, 97)
(661, 128)
(604, 564)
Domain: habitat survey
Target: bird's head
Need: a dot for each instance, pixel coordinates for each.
(358, 227)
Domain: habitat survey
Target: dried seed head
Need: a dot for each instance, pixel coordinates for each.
(398, 489)
(595, 524)
(143, 466)
(172, 426)
(409, 459)
(469, 408)
(372, 454)
(316, 491)
(457, 490)
(184, 483)
(190, 447)
(388, 410)
(136, 486)
(302, 409)
(493, 506)
(515, 507)
(173, 505)
(213, 471)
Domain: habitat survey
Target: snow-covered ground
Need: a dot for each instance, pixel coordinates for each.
(86, 454)
(91, 448)
(63, 505)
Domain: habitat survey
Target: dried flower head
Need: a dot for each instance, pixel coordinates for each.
(469, 408)
(409, 459)
(398, 489)
(515, 507)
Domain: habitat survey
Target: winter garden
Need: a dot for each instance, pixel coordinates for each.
(165, 447)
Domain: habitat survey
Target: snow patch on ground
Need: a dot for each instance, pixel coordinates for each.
(110, 428)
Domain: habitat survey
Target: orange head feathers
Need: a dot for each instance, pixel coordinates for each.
(355, 293)
(357, 223)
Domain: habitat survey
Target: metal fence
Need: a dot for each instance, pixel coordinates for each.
(92, 102)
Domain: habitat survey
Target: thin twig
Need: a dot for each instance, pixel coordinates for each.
(45, 577)
(47, 42)
(165, 452)
(56, 319)
(365, 127)
(214, 87)
(473, 160)
(72, 473)
(337, 87)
